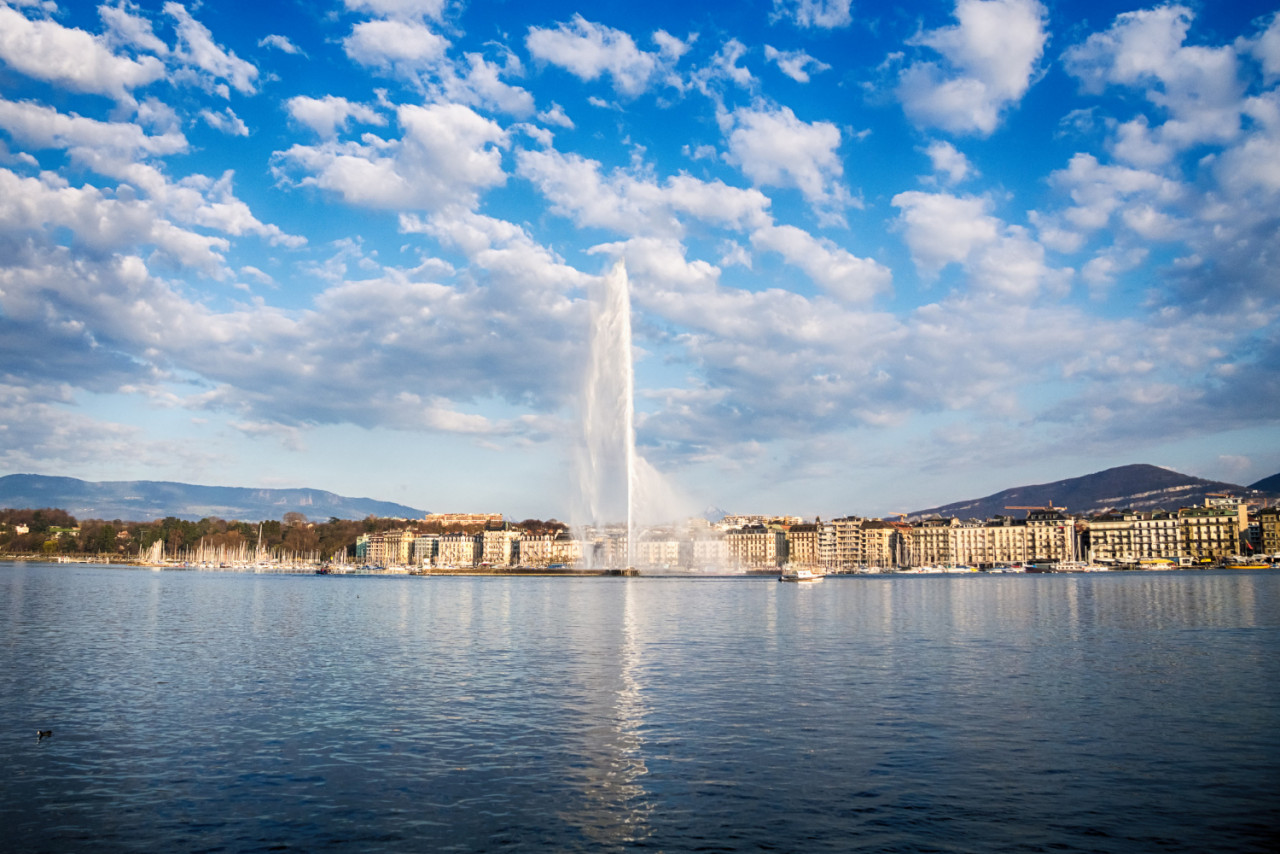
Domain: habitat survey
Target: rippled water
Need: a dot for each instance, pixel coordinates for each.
(222, 712)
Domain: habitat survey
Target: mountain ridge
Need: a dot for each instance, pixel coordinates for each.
(1138, 486)
(145, 500)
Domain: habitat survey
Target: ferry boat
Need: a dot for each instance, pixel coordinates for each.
(800, 574)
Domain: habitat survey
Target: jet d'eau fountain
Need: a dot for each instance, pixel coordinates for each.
(607, 455)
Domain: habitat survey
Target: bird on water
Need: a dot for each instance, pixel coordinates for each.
(42, 734)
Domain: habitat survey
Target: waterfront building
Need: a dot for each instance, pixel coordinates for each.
(802, 545)
(426, 548)
(390, 548)
(879, 544)
(459, 550)
(846, 543)
(1268, 520)
(657, 549)
(1126, 536)
(707, 550)
(1211, 532)
(756, 547)
(932, 542)
(498, 544)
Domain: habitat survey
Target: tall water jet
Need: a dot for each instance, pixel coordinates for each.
(607, 458)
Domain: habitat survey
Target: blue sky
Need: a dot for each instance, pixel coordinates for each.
(880, 258)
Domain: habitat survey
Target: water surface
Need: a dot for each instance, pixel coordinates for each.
(223, 712)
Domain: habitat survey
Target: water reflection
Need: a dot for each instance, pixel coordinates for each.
(613, 807)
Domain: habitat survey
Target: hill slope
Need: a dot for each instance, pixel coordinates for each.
(1136, 487)
(144, 500)
(1267, 484)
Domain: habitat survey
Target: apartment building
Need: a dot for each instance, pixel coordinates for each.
(756, 547)
(802, 545)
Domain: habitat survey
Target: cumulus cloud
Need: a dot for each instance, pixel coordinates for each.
(629, 204)
(448, 155)
(225, 121)
(404, 9)
(125, 28)
(990, 56)
(943, 229)
(331, 114)
(280, 43)
(1197, 88)
(948, 162)
(825, 14)
(206, 59)
(72, 58)
(774, 148)
(796, 64)
(589, 50)
(404, 47)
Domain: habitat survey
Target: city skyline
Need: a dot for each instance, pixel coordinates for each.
(878, 259)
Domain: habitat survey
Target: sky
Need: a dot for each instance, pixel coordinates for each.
(881, 257)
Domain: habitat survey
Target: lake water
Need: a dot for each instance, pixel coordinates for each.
(195, 711)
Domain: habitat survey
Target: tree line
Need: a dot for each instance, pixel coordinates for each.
(52, 531)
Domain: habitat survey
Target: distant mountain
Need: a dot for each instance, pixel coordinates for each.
(1135, 487)
(144, 500)
(1267, 484)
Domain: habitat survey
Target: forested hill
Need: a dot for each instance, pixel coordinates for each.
(144, 500)
(1136, 487)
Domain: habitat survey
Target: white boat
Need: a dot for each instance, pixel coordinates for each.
(800, 574)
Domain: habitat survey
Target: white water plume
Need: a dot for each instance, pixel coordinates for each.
(607, 457)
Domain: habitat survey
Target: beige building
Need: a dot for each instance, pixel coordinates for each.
(458, 550)
(657, 550)
(454, 520)
(707, 550)
(756, 547)
(390, 548)
(802, 545)
(544, 550)
(1268, 520)
(880, 544)
(1210, 533)
(498, 545)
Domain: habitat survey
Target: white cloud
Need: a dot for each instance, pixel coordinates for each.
(197, 49)
(555, 115)
(447, 155)
(589, 50)
(990, 56)
(405, 47)
(633, 205)
(101, 224)
(128, 29)
(724, 67)
(949, 162)
(826, 14)
(942, 229)
(45, 127)
(226, 121)
(280, 43)
(837, 271)
(1198, 88)
(775, 148)
(796, 64)
(404, 9)
(330, 114)
(72, 58)
(481, 86)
